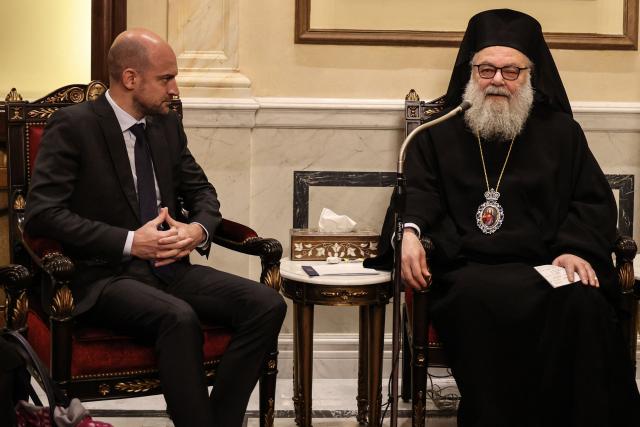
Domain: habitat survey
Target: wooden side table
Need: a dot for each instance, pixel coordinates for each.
(370, 294)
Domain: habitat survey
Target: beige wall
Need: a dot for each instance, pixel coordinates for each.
(58, 46)
(278, 67)
(44, 44)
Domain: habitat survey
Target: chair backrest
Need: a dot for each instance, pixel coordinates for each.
(417, 112)
(25, 125)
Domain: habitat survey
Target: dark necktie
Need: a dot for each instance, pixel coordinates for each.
(147, 198)
(144, 171)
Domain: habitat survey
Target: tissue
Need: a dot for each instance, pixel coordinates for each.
(331, 222)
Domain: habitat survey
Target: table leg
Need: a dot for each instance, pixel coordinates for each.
(305, 339)
(297, 317)
(376, 342)
(363, 366)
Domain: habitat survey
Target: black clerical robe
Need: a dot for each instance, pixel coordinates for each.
(522, 353)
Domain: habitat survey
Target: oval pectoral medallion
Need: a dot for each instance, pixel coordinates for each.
(490, 214)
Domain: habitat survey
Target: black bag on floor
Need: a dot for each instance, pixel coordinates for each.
(13, 372)
(61, 411)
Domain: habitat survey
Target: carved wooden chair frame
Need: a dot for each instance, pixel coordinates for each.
(420, 351)
(55, 269)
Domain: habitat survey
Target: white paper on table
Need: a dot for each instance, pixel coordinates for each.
(343, 269)
(556, 275)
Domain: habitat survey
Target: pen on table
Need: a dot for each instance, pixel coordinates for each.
(338, 260)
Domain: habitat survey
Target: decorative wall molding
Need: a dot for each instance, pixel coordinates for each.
(219, 112)
(374, 114)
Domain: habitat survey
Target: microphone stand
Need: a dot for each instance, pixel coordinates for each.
(400, 200)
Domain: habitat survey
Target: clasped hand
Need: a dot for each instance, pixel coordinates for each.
(165, 246)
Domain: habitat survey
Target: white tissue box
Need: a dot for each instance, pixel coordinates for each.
(310, 245)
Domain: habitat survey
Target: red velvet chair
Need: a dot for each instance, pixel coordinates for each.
(421, 346)
(91, 363)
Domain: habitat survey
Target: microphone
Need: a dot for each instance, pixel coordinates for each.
(399, 197)
(464, 106)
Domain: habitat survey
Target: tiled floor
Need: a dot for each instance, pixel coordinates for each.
(334, 405)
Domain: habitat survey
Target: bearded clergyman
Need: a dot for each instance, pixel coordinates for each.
(511, 185)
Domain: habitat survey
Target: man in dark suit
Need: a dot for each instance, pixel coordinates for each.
(105, 184)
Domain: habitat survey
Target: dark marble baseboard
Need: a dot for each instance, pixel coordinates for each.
(320, 413)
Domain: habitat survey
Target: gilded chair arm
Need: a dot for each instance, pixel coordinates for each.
(58, 270)
(241, 238)
(14, 276)
(625, 250)
(14, 280)
(49, 256)
(233, 235)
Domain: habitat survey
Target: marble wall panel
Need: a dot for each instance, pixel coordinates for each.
(224, 155)
(365, 205)
(618, 153)
(277, 153)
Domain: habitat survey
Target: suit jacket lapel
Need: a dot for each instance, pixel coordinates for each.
(161, 162)
(118, 151)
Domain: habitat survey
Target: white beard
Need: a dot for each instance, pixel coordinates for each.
(497, 117)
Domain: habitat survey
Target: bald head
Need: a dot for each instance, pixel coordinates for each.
(132, 49)
(142, 73)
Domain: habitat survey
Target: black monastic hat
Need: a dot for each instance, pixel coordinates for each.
(505, 27)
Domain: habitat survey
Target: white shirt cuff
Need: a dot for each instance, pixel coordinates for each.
(414, 226)
(205, 242)
(406, 225)
(128, 244)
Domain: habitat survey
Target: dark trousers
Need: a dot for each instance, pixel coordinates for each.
(168, 315)
(526, 355)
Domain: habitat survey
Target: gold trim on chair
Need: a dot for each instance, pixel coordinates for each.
(19, 315)
(268, 417)
(16, 113)
(19, 204)
(42, 113)
(62, 305)
(4, 307)
(272, 277)
(137, 386)
(95, 89)
(73, 94)
(412, 96)
(209, 372)
(626, 277)
(13, 96)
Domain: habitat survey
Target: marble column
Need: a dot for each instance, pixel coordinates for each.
(204, 34)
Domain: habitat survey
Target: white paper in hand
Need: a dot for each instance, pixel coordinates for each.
(555, 275)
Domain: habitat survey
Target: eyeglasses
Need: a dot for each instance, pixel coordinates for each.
(509, 72)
